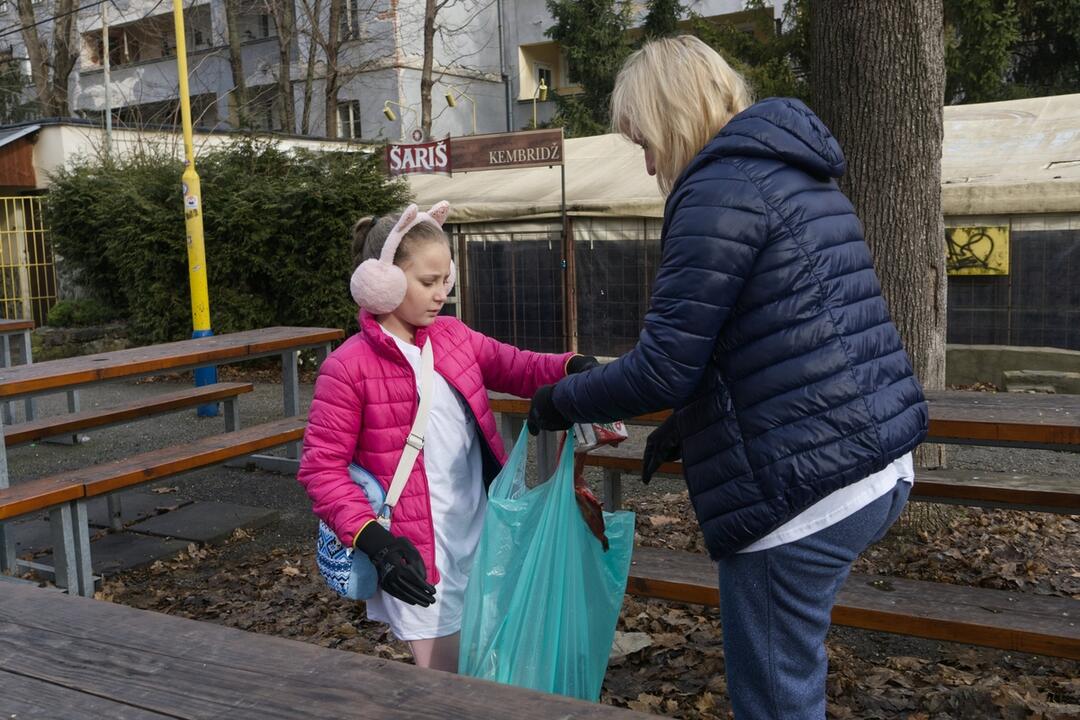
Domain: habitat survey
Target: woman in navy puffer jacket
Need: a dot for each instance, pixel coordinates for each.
(795, 406)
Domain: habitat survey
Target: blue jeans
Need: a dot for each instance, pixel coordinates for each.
(775, 606)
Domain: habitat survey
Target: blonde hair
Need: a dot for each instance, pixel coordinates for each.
(673, 95)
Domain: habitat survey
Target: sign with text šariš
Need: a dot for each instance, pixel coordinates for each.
(427, 158)
(499, 151)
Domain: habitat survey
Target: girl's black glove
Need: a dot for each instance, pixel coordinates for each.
(400, 567)
(663, 445)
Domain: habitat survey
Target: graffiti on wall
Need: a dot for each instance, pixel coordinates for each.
(977, 250)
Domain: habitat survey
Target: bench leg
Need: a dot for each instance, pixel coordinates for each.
(65, 562)
(84, 569)
(7, 542)
(232, 414)
(290, 387)
(509, 429)
(5, 361)
(612, 489)
(73, 407)
(116, 514)
(28, 358)
(547, 454)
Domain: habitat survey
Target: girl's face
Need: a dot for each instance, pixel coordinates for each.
(426, 270)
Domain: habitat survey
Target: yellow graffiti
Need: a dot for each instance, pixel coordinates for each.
(977, 250)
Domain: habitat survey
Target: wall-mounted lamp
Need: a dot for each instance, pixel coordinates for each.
(452, 93)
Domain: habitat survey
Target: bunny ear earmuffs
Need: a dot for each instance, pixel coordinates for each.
(379, 285)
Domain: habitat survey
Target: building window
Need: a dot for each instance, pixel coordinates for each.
(348, 118)
(5, 6)
(350, 20)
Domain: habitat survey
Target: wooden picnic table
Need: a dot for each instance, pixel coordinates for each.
(8, 330)
(25, 381)
(68, 657)
(956, 416)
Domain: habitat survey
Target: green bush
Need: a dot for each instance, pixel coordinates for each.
(277, 226)
(79, 313)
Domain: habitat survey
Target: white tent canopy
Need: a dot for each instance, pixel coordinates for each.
(1017, 157)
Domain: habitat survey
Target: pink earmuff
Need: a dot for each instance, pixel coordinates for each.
(378, 285)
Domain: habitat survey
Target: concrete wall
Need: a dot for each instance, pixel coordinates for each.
(969, 364)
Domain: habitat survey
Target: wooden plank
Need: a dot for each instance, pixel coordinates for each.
(35, 495)
(955, 416)
(137, 469)
(189, 669)
(25, 697)
(144, 407)
(104, 478)
(1046, 493)
(11, 326)
(70, 372)
(993, 618)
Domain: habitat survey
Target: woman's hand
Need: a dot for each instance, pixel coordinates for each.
(398, 562)
(663, 445)
(543, 415)
(581, 363)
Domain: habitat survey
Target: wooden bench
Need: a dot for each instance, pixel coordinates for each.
(38, 430)
(65, 494)
(70, 374)
(994, 618)
(69, 657)
(1014, 491)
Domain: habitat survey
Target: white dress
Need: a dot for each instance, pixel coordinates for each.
(454, 468)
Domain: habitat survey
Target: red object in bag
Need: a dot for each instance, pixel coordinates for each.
(589, 436)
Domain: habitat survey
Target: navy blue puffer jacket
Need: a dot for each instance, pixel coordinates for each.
(766, 332)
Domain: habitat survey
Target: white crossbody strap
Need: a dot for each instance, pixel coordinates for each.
(415, 441)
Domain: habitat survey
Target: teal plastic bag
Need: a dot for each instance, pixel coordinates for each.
(543, 597)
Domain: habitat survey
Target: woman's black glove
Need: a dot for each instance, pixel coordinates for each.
(581, 363)
(400, 567)
(543, 415)
(663, 445)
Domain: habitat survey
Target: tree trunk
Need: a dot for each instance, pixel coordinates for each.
(284, 14)
(37, 53)
(311, 14)
(877, 74)
(238, 97)
(426, 82)
(333, 47)
(65, 54)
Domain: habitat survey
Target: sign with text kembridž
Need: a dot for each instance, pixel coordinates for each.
(499, 151)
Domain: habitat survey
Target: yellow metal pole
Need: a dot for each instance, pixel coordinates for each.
(196, 250)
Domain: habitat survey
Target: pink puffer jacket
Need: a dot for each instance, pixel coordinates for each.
(364, 405)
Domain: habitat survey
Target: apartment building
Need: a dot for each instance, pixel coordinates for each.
(488, 55)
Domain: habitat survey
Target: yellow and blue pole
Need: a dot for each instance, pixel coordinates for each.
(196, 250)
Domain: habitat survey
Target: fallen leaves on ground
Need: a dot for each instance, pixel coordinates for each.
(668, 658)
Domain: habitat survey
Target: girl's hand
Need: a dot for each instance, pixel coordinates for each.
(401, 570)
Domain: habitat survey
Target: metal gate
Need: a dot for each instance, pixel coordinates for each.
(27, 271)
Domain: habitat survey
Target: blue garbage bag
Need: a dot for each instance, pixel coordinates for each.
(543, 596)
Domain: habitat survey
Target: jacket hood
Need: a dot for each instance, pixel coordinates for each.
(782, 129)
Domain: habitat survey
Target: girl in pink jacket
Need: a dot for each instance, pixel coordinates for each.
(366, 398)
